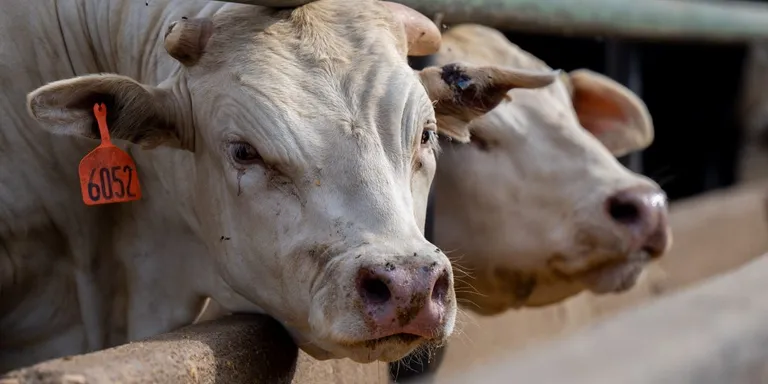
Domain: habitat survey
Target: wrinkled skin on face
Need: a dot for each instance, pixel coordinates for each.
(308, 146)
(535, 208)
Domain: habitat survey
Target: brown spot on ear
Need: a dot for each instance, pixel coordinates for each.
(478, 90)
(455, 77)
(469, 93)
(462, 93)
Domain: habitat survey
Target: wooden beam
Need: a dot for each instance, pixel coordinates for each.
(233, 350)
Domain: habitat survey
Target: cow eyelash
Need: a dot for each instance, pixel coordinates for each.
(244, 153)
(429, 134)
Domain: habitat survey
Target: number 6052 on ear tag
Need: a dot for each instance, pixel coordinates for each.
(107, 174)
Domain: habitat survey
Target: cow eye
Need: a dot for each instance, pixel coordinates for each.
(427, 135)
(244, 153)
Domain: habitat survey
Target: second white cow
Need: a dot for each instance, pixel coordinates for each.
(536, 208)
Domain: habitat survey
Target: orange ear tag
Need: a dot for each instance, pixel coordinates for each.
(108, 174)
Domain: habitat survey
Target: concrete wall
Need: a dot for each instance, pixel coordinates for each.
(713, 233)
(712, 333)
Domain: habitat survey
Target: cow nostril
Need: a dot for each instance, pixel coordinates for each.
(624, 212)
(440, 290)
(374, 291)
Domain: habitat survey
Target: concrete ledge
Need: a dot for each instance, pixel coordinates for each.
(235, 349)
(715, 332)
(713, 234)
(311, 371)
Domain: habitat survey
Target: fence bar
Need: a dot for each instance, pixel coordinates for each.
(623, 65)
(712, 333)
(716, 21)
(232, 350)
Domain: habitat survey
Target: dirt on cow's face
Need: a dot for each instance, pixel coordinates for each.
(312, 158)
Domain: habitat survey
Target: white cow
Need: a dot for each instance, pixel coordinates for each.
(537, 208)
(284, 155)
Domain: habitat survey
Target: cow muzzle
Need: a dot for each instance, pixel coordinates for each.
(388, 305)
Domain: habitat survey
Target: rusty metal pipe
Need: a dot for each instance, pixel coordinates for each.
(715, 21)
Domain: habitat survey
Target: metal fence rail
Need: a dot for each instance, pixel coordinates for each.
(714, 21)
(646, 19)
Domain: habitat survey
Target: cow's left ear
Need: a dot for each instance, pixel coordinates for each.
(611, 112)
(136, 112)
(461, 93)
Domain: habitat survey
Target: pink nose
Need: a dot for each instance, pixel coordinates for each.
(642, 211)
(405, 299)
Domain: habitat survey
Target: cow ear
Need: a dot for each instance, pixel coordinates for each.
(461, 93)
(135, 112)
(611, 112)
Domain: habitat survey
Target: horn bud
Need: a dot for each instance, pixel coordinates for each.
(185, 40)
(422, 34)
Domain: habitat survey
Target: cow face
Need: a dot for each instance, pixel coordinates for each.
(310, 148)
(537, 208)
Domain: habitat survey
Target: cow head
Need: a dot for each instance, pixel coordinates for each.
(536, 207)
(309, 146)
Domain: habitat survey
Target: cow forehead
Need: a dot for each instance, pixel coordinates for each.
(336, 62)
(375, 112)
(325, 34)
(287, 92)
(348, 92)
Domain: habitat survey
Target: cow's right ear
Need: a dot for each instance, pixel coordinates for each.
(461, 93)
(135, 112)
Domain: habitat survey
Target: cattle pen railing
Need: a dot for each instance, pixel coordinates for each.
(716, 332)
(710, 20)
